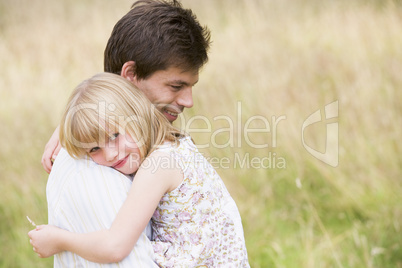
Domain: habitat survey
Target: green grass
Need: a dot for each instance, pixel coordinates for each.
(278, 58)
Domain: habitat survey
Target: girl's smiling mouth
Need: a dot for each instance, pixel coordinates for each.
(121, 163)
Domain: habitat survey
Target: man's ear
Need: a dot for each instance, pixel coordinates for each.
(128, 71)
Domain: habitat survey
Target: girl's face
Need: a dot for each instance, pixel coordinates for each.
(119, 152)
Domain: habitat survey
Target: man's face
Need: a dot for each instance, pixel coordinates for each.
(169, 90)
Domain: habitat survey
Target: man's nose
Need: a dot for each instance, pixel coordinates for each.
(186, 97)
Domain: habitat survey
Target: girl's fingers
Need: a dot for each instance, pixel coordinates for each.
(39, 227)
(30, 233)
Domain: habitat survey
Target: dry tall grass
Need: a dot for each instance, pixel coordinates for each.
(274, 58)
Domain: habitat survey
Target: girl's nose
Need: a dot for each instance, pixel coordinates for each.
(110, 153)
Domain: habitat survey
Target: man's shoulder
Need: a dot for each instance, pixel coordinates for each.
(66, 166)
(82, 187)
(64, 162)
(71, 175)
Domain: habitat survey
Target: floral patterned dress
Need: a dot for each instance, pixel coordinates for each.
(198, 223)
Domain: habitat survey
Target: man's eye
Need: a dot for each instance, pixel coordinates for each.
(177, 87)
(93, 150)
(114, 136)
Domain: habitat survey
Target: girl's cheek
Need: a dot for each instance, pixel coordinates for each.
(97, 159)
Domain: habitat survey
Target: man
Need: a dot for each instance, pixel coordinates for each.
(159, 47)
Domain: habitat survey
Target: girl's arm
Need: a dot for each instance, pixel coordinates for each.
(150, 184)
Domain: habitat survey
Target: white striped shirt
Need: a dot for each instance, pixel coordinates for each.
(83, 197)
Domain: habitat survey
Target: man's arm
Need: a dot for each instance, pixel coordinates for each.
(52, 148)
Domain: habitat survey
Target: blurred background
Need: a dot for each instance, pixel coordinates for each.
(272, 64)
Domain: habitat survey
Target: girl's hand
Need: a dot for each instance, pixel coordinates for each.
(45, 240)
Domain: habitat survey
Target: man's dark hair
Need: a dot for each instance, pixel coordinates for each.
(156, 35)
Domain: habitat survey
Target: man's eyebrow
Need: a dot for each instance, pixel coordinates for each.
(181, 82)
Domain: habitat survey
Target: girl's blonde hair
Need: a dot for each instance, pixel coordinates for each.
(107, 104)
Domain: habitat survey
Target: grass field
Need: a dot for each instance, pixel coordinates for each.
(272, 64)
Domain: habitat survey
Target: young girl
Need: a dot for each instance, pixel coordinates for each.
(194, 219)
